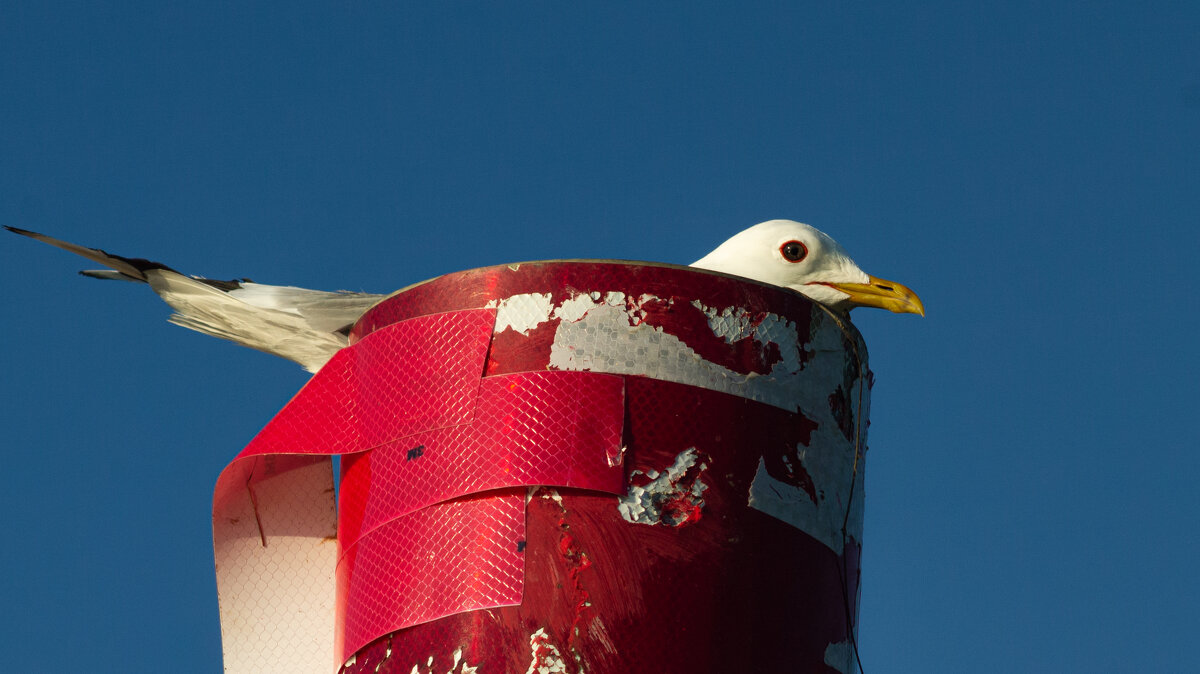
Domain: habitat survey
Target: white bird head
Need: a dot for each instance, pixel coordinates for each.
(801, 257)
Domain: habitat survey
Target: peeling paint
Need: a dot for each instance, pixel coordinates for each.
(819, 517)
(731, 324)
(615, 333)
(466, 668)
(521, 313)
(615, 338)
(576, 562)
(734, 324)
(544, 656)
(610, 333)
(575, 308)
(672, 497)
(459, 666)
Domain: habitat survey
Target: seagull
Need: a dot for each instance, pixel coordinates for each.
(309, 326)
(805, 259)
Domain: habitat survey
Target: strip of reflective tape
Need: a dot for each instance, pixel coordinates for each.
(534, 428)
(417, 381)
(456, 556)
(277, 601)
(274, 513)
(407, 377)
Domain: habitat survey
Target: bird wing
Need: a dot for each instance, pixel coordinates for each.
(304, 326)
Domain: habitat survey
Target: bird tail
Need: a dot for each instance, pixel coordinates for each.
(304, 326)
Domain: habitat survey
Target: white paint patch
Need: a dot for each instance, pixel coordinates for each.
(611, 337)
(521, 313)
(608, 333)
(731, 324)
(545, 657)
(840, 656)
(548, 494)
(466, 668)
(575, 308)
(829, 468)
(734, 324)
(650, 504)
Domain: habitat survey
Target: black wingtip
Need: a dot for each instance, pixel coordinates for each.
(134, 268)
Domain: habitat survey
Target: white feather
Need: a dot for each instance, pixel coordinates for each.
(304, 326)
(309, 326)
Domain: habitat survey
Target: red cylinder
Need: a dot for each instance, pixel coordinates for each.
(703, 563)
(567, 466)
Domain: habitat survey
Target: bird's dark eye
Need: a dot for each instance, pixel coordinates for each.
(793, 251)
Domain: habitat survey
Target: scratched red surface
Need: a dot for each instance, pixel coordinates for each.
(736, 591)
(731, 590)
(421, 430)
(444, 565)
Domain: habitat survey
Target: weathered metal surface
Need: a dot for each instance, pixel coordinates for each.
(612, 467)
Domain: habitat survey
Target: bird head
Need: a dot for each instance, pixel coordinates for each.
(801, 257)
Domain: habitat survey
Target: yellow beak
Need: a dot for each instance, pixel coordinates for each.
(882, 294)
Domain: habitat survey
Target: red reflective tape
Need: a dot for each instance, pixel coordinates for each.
(455, 556)
(422, 432)
(559, 429)
(407, 377)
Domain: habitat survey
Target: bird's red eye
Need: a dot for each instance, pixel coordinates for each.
(793, 251)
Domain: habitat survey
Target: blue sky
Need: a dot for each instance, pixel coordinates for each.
(1031, 169)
